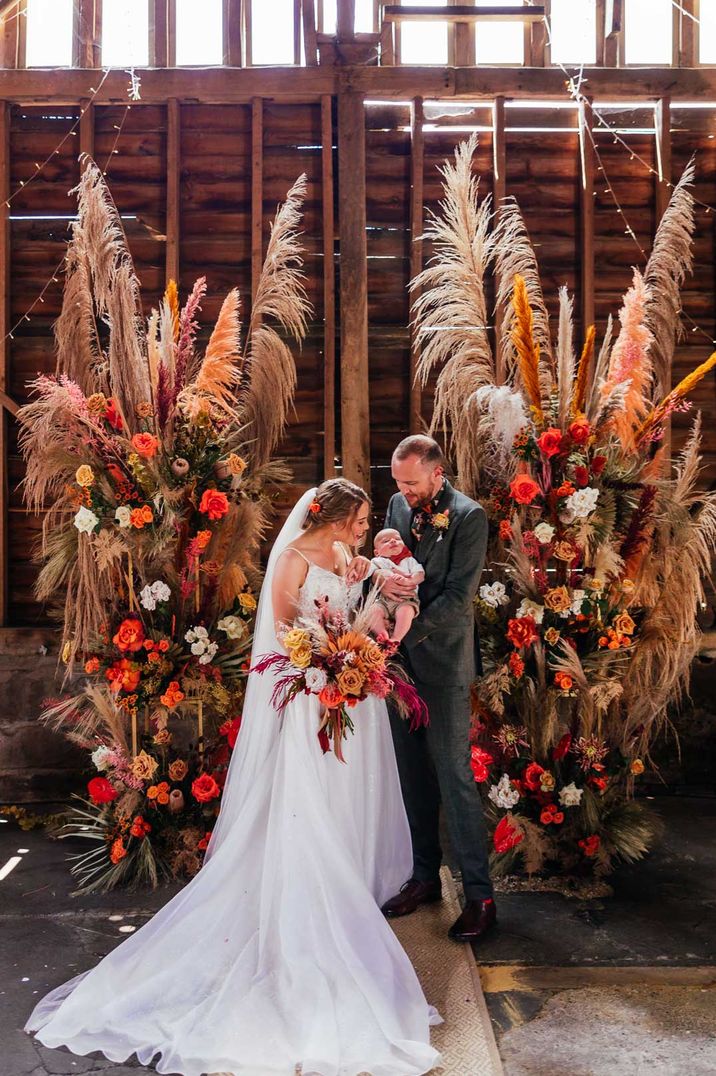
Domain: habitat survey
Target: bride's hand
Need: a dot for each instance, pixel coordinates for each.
(358, 570)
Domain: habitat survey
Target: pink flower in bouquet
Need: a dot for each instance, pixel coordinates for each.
(506, 835)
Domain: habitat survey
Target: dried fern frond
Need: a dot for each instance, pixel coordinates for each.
(683, 389)
(671, 261)
(515, 256)
(527, 348)
(565, 359)
(579, 397)
(78, 348)
(268, 367)
(450, 311)
(594, 396)
(216, 378)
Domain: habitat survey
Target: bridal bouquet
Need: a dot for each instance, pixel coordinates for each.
(341, 664)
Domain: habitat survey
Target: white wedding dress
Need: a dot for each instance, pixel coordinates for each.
(276, 957)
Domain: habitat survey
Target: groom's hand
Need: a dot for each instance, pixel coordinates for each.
(358, 570)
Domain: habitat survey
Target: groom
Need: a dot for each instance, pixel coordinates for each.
(447, 534)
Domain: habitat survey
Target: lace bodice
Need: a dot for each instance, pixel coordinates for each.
(322, 583)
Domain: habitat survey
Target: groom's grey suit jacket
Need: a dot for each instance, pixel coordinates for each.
(442, 645)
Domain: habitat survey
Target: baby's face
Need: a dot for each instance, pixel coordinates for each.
(388, 544)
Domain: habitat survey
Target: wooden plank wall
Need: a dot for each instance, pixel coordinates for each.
(213, 218)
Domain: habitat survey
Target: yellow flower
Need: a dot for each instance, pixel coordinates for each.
(624, 625)
(564, 551)
(97, 403)
(236, 464)
(627, 585)
(301, 655)
(247, 602)
(163, 737)
(372, 656)
(441, 521)
(594, 584)
(350, 681)
(84, 476)
(637, 767)
(296, 637)
(557, 599)
(551, 636)
(547, 781)
(178, 770)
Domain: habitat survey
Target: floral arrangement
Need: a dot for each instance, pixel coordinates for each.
(151, 457)
(338, 661)
(599, 547)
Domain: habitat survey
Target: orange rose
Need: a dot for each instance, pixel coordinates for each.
(506, 530)
(202, 539)
(118, 850)
(205, 788)
(516, 664)
(563, 681)
(624, 625)
(636, 767)
(350, 681)
(172, 696)
(523, 489)
(522, 631)
(163, 645)
(92, 666)
(178, 770)
(564, 551)
(566, 489)
(550, 442)
(214, 503)
(331, 697)
(580, 431)
(139, 516)
(139, 827)
(145, 445)
(123, 675)
(130, 635)
(557, 599)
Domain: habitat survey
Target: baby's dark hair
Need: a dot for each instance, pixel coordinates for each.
(336, 501)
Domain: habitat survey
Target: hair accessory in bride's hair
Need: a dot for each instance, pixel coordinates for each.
(314, 508)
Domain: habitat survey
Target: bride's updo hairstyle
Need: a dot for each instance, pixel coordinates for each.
(336, 501)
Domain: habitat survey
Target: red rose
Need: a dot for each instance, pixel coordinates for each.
(112, 415)
(566, 490)
(580, 431)
(523, 489)
(101, 791)
(532, 776)
(590, 845)
(479, 762)
(506, 835)
(546, 817)
(562, 747)
(214, 503)
(581, 476)
(130, 635)
(550, 442)
(140, 828)
(600, 783)
(205, 788)
(598, 464)
(522, 631)
(230, 729)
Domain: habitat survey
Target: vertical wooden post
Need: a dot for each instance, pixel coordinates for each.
(308, 23)
(600, 19)
(613, 29)
(173, 189)
(355, 423)
(257, 200)
(171, 18)
(231, 17)
(345, 19)
(158, 33)
(10, 37)
(586, 212)
(464, 41)
(87, 33)
(87, 127)
(5, 326)
(536, 47)
(662, 122)
(689, 28)
(329, 291)
(387, 44)
(297, 32)
(499, 189)
(417, 170)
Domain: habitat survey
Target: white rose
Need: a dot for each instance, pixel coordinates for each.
(161, 591)
(504, 794)
(494, 594)
(122, 515)
(209, 653)
(146, 597)
(85, 520)
(531, 608)
(544, 532)
(100, 757)
(198, 647)
(570, 795)
(582, 503)
(316, 679)
(578, 597)
(233, 626)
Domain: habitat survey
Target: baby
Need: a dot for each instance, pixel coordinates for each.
(395, 615)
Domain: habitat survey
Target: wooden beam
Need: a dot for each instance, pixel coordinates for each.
(9, 40)
(601, 32)
(329, 290)
(689, 34)
(171, 33)
(231, 18)
(158, 33)
(257, 194)
(662, 120)
(586, 212)
(5, 326)
(9, 7)
(87, 44)
(417, 173)
(461, 13)
(536, 45)
(346, 19)
(499, 190)
(87, 127)
(310, 42)
(387, 44)
(173, 223)
(355, 422)
(613, 29)
(297, 32)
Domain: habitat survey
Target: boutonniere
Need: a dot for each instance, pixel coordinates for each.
(440, 521)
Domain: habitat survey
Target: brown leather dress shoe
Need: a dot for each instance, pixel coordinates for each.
(411, 896)
(478, 916)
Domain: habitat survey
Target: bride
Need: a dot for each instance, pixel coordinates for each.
(276, 958)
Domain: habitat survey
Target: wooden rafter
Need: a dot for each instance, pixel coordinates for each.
(461, 13)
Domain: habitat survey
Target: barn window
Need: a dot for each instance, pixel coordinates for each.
(499, 42)
(423, 42)
(365, 16)
(125, 33)
(49, 33)
(272, 40)
(199, 32)
(707, 32)
(648, 31)
(573, 25)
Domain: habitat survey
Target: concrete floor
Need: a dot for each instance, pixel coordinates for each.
(622, 986)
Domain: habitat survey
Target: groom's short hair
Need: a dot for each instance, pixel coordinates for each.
(425, 448)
